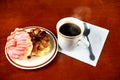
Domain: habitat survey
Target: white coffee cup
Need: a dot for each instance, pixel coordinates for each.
(67, 41)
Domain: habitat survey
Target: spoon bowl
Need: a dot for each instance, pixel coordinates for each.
(87, 30)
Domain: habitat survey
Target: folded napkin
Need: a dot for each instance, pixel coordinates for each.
(97, 39)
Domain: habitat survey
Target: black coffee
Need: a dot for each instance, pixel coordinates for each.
(70, 29)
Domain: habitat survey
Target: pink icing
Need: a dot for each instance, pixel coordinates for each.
(17, 44)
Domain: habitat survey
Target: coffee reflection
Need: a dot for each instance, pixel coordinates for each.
(70, 29)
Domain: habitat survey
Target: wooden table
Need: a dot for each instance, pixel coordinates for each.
(46, 13)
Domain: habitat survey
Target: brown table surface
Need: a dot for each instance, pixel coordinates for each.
(46, 13)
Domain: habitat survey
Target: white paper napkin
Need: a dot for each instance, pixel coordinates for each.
(97, 39)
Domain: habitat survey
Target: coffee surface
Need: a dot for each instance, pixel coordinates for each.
(70, 29)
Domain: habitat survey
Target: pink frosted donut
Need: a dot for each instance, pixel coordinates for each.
(18, 44)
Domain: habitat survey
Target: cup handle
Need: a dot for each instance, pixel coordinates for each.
(82, 42)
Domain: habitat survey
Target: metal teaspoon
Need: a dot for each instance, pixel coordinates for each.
(86, 33)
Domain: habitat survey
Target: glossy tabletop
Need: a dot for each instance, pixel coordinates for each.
(46, 13)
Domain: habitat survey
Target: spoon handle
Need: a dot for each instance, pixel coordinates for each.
(92, 57)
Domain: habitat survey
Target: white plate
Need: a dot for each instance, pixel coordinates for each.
(37, 62)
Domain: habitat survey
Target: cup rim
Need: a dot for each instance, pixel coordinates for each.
(70, 20)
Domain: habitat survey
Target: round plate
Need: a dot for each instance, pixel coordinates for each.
(37, 61)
